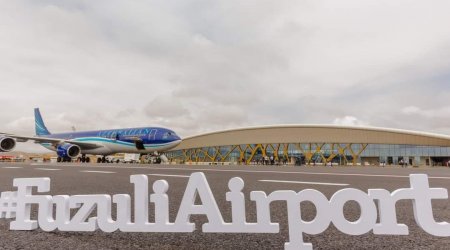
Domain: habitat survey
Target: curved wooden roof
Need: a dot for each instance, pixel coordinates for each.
(313, 134)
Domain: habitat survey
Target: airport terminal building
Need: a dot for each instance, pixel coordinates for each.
(314, 145)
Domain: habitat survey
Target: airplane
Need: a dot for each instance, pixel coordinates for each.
(70, 145)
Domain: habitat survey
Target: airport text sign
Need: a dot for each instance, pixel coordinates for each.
(18, 204)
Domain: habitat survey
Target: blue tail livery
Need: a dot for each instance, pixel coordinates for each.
(41, 129)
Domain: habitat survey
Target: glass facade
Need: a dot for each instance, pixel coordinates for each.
(316, 153)
(405, 150)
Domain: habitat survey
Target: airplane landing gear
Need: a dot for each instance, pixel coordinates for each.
(154, 158)
(84, 158)
(101, 159)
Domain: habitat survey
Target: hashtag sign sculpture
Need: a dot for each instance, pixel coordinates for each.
(8, 205)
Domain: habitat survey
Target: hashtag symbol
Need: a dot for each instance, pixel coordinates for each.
(8, 205)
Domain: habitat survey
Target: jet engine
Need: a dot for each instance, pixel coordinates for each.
(7, 144)
(68, 150)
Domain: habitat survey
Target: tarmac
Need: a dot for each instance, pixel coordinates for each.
(74, 179)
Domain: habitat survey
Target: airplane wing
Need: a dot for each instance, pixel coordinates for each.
(55, 141)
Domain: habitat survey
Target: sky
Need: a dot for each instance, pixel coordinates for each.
(197, 66)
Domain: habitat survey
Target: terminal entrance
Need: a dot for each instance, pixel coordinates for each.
(440, 161)
(370, 161)
(390, 160)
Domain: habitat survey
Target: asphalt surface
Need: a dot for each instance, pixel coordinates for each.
(74, 179)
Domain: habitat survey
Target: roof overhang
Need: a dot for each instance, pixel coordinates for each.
(313, 134)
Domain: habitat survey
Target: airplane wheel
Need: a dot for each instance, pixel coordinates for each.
(83, 158)
(103, 159)
(58, 159)
(99, 160)
(87, 160)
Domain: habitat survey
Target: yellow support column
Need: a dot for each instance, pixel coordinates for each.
(241, 154)
(319, 151)
(229, 152)
(216, 154)
(356, 155)
(285, 151)
(247, 161)
(254, 150)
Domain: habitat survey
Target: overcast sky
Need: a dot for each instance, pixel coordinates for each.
(198, 66)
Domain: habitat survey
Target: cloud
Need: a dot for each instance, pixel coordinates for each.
(349, 121)
(198, 65)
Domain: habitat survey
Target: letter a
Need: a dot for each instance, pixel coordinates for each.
(198, 184)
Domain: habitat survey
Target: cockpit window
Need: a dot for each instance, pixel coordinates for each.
(168, 134)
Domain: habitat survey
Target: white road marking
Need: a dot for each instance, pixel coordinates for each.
(286, 172)
(100, 172)
(306, 182)
(256, 171)
(170, 175)
(48, 169)
(12, 167)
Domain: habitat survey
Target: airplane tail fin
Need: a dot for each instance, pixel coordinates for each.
(40, 127)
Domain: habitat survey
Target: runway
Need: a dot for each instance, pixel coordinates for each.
(73, 179)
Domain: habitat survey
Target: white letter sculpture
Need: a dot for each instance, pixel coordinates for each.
(374, 203)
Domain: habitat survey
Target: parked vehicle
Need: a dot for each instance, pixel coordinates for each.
(132, 158)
